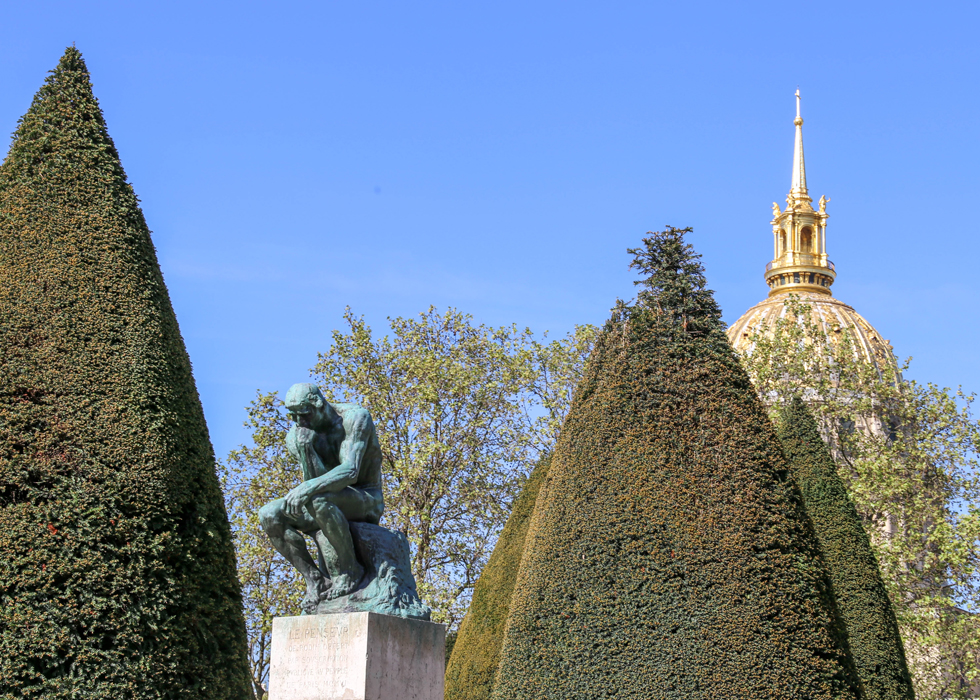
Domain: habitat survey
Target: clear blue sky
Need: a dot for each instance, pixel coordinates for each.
(296, 158)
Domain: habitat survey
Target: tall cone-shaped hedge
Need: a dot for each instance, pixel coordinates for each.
(861, 596)
(117, 572)
(671, 557)
(476, 655)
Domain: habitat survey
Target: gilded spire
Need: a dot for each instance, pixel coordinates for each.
(798, 189)
(800, 261)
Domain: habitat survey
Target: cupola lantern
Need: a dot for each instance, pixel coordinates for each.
(799, 234)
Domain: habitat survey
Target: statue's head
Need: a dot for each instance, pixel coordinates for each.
(307, 406)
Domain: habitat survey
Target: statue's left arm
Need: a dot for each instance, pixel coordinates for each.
(358, 429)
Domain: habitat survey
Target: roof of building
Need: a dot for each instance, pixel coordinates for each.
(800, 268)
(832, 315)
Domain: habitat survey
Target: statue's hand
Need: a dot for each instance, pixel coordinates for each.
(304, 436)
(297, 499)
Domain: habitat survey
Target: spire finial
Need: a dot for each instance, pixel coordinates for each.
(797, 190)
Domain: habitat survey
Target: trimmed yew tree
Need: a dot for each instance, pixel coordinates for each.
(476, 654)
(861, 596)
(117, 573)
(671, 557)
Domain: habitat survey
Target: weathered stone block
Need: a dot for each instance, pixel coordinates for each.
(356, 656)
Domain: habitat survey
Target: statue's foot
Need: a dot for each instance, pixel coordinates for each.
(316, 591)
(344, 584)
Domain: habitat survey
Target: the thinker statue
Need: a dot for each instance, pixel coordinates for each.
(337, 448)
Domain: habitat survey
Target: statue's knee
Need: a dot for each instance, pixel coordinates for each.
(323, 508)
(270, 517)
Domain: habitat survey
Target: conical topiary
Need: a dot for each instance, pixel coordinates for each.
(476, 654)
(117, 572)
(671, 557)
(860, 592)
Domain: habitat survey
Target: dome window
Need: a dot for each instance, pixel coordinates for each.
(806, 240)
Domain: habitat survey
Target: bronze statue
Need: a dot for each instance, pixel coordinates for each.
(337, 448)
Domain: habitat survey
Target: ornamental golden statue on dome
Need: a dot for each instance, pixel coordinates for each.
(800, 267)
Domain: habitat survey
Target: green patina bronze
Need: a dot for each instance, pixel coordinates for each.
(339, 504)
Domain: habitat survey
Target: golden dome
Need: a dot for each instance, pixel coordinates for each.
(834, 317)
(800, 268)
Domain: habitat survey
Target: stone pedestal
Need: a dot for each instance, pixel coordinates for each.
(356, 656)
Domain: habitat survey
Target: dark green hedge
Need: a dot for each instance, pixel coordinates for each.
(864, 606)
(671, 557)
(117, 572)
(476, 653)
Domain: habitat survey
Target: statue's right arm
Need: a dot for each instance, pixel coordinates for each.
(359, 429)
(301, 445)
(291, 442)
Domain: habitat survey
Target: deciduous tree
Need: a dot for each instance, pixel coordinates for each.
(463, 411)
(472, 667)
(908, 454)
(251, 477)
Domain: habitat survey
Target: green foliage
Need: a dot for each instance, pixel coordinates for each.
(251, 477)
(473, 665)
(846, 550)
(675, 284)
(671, 557)
(907, 453)
(117, 573)
(454, 404)
(445, 397)
(555, 368)
(451, 636)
